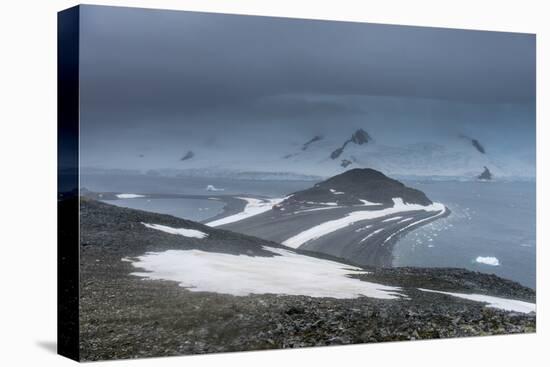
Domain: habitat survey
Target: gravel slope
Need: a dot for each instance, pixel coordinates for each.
(123, 316)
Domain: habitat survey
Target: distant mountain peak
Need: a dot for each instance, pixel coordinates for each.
(485, 175)
(359, 137)
(345, 163)
(187, 155)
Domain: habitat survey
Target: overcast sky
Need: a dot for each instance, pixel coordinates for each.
(159, 81)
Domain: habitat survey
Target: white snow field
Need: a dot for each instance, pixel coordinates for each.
(333, 225)
(193, 233)
(129, 196)
(253, 207)
(240, 275)
(494, 302)
(488, 260)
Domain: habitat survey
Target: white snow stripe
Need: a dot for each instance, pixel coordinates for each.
(392, 219)
(356, 216)
(193, 233)
(253, 207)
(371, 234)
(405, 220)
(369, 203)
(414, 224)
(494, 302)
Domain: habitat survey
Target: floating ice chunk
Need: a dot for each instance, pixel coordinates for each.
(129, 196)
(213, 188)
(488, 260)
(179, 231)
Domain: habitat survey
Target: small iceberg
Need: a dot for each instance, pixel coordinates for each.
(213, 188)
(129, 196)
(488, 260)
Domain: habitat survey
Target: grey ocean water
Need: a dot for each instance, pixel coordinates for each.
(194, 209)
(488, 219)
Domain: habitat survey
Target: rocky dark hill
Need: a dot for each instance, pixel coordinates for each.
(359, 137)
(485, 175)
(190, 154)
(123, 316)
(311, 141)
(108, 225)
(355, 185)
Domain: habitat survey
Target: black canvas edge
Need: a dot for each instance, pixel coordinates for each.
(68, 34)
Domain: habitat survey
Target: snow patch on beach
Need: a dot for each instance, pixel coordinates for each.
(316, 209)
(392, 219)
(371, 234)
(494, 302)
(319, 203)
(253, 207)
(488, 260)
(129, 196)
(192, 233)
(336, 192)
(369, 203)
(286, 273)
(405, 220)
(361, 215)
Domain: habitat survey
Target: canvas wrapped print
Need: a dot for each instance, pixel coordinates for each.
(235, 183)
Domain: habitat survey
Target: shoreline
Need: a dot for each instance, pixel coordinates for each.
(118, 308)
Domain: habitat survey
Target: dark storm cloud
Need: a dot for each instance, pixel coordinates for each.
(140, 63)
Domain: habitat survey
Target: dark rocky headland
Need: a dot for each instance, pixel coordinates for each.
(124, 316)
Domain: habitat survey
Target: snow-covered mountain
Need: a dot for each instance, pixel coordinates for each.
(459, 157)
(286, 155)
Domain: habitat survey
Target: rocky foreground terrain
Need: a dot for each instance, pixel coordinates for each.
(126, 316)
